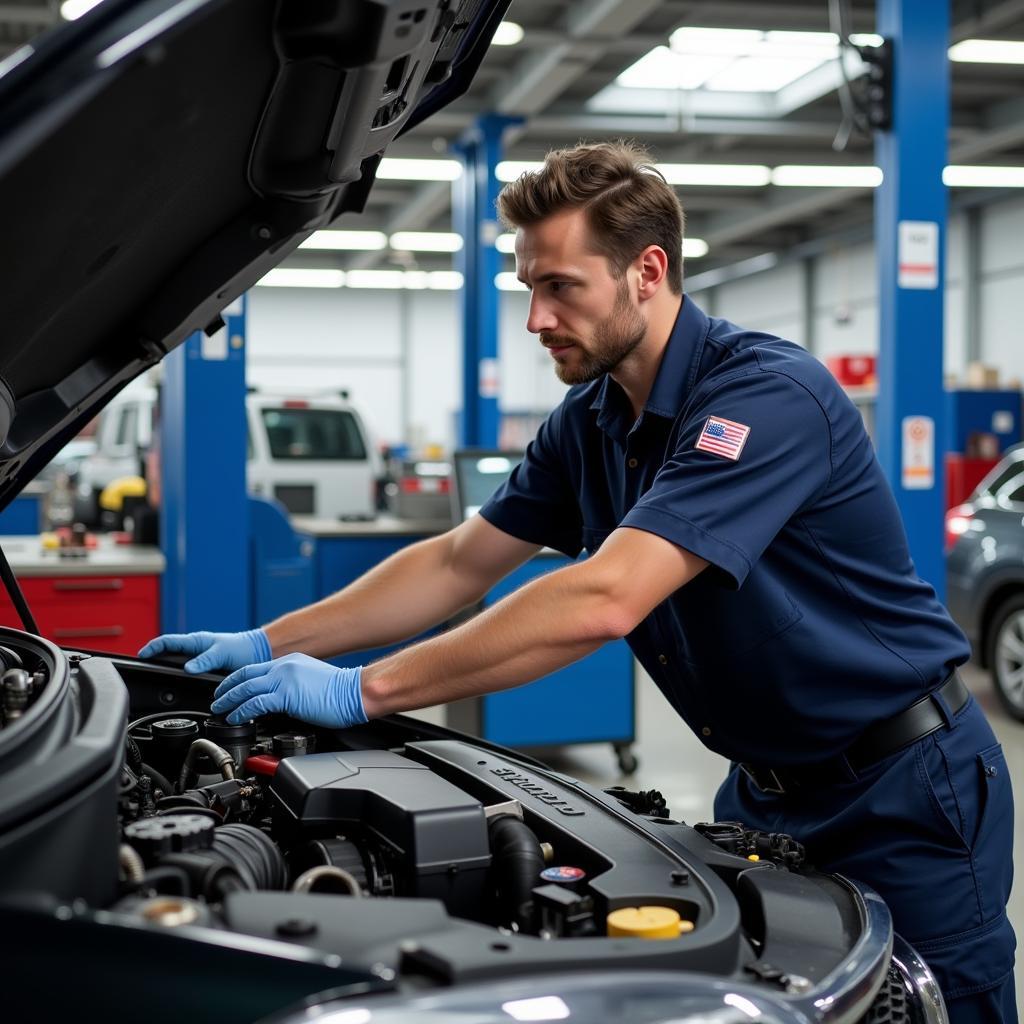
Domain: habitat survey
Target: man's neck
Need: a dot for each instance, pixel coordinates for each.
(636, 373)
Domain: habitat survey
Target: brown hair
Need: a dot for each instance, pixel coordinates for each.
(627, 203)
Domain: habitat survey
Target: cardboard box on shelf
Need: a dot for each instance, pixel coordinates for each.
(980, 375)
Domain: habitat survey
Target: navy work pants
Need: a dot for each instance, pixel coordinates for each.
(930, 828)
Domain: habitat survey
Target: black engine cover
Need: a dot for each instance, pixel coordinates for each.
(434, 834)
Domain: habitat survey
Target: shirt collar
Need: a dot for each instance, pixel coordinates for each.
(676, 375)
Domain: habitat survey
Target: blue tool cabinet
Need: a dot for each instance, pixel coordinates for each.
(591, 701)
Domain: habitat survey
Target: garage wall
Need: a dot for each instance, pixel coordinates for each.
(312, 339)
(1001, 292)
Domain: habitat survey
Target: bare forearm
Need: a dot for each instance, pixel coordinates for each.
(546, 625)
(407, 593)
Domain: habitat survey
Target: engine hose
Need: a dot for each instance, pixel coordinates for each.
(252, 854)
(323, 879)
(224, 761)
(517, 864)
(133, 755)
(131, 865)
(160, 780)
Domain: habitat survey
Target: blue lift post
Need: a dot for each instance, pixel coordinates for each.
(475, 217)
(204, 516)
(910, 229)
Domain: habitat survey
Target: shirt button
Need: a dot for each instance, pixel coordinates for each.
(706, 731)
(632, 463)
(663, 659)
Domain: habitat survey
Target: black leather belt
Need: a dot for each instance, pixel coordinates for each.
(878, 741)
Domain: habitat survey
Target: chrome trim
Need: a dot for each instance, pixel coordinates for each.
(920, 981)
(639, 997)
(845, 995)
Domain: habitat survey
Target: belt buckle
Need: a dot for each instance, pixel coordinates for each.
(765, 779)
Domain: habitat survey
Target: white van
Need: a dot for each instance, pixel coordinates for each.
(312, 453)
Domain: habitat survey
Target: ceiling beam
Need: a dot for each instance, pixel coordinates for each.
(1004, 129)
(999, 15)
(779, 207)
(541, 77)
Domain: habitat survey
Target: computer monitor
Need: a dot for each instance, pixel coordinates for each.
(477, 474)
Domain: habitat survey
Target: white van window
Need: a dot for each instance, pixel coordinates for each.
(325, 434)
(126, 428)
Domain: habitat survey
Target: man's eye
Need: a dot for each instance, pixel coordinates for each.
(557, 286)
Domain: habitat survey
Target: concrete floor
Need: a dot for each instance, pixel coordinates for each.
(673, 761)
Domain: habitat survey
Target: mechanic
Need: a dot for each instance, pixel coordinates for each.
(742, 538)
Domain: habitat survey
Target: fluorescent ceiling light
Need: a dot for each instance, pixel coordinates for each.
(432, 280)
(402, 169)
(508, 34)
(364, 241)
(506, 281)
(827, 177)
(72, 9)
(375, 279)
(988, 51)
(411, 280)
(964, 176)
(444, 280)
(866, 39)
(509, 170)
(297, 277)
(694, 248)
(506, 243)
(426, 241)
(751, 175)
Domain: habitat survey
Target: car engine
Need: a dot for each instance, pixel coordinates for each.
(396, 856)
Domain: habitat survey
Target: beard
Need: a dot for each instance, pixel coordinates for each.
(615, 337)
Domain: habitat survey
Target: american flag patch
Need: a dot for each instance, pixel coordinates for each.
(723, 437)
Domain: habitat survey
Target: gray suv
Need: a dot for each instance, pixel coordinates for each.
(985, 575)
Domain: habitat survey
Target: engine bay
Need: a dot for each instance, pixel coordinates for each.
(413, 856)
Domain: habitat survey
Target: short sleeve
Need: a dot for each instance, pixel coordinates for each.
(537, 503)
(728, 510)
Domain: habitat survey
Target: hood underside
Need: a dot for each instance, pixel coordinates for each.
(158, 158)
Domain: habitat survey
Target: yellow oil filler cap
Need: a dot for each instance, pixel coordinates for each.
(646, 923)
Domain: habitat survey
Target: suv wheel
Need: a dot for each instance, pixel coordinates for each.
(1005, 654)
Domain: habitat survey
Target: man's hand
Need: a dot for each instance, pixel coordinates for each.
(213, 650)
(295, 685)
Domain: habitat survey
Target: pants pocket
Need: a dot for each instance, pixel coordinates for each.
(970, 792)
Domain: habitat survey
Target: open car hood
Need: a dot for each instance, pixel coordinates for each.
(158, 157)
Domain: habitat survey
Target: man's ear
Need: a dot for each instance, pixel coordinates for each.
(652, 267)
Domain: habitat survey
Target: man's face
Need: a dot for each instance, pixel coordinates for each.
(585, 317)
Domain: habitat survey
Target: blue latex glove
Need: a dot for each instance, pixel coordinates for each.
(213, 650)
(295, 685)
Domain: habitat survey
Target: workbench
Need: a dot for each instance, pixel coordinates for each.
(107, 599)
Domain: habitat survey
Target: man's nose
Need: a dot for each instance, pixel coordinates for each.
(541, 318)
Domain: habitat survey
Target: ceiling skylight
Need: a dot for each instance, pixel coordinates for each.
(731, 60)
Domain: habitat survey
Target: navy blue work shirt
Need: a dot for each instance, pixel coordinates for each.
(810, 621)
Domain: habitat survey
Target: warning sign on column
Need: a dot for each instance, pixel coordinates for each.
(918, 254)
(918, 453)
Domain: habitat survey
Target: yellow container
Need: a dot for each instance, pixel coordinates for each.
(646, 923)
